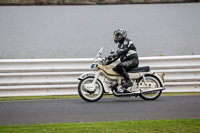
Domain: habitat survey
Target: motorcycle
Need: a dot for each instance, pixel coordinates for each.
(104, 80)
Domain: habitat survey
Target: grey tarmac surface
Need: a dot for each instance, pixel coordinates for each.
(107, 109)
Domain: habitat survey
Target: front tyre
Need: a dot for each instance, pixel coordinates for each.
(151, 95)
(90, 96)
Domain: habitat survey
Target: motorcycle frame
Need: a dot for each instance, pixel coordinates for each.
(101, 75)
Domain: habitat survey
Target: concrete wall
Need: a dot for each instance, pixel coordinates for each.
(79, 31)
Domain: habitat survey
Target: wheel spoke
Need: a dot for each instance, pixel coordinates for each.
(90, 96)
(152, 83)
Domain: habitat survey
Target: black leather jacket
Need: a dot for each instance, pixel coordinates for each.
(126, 51)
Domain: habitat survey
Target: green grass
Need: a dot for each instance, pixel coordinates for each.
(77, 96)
(146, 126)
(38, 97)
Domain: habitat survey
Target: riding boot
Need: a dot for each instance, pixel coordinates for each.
(128, 82)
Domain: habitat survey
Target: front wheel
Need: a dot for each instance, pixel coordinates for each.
(90, 96)
(154, 94)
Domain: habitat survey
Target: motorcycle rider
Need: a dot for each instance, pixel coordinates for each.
(127, 54)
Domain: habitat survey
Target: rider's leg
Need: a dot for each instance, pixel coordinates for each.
(128, 82)
(120, 69)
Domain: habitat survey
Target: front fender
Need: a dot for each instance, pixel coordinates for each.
(85, 75)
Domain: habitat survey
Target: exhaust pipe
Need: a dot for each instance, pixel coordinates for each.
(150, 90)
(138, 92)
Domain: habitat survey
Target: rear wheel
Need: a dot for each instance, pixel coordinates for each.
(154, 94)
(90, 96)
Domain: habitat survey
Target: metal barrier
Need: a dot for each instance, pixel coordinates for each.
(31, 77)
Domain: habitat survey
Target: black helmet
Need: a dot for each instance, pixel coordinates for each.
(119, 34)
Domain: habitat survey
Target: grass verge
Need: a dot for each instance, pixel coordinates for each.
(146, 126)
(38, 97)
(77, 96)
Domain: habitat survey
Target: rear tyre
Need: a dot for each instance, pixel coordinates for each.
(151, 95)
(90, 96)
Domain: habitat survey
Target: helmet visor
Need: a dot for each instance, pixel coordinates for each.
(117, 37)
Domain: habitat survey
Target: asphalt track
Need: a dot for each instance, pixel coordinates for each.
(107, 109)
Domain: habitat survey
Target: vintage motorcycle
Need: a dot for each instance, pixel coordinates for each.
(104, 80)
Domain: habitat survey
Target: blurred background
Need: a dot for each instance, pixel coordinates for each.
(36, 29)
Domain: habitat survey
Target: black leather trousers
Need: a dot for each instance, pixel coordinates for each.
(125, 66)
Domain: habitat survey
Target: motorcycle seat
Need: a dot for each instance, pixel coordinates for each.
(140, 69)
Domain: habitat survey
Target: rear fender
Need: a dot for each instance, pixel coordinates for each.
(160, 77)
(156, 75)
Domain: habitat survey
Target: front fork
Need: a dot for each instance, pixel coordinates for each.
(92, 87)
(95, 78)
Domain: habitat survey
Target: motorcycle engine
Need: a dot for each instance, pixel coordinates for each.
(120, 89)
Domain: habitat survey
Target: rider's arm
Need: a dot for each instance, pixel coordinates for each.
(111, 61)
(123, 51)
(112, 58)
